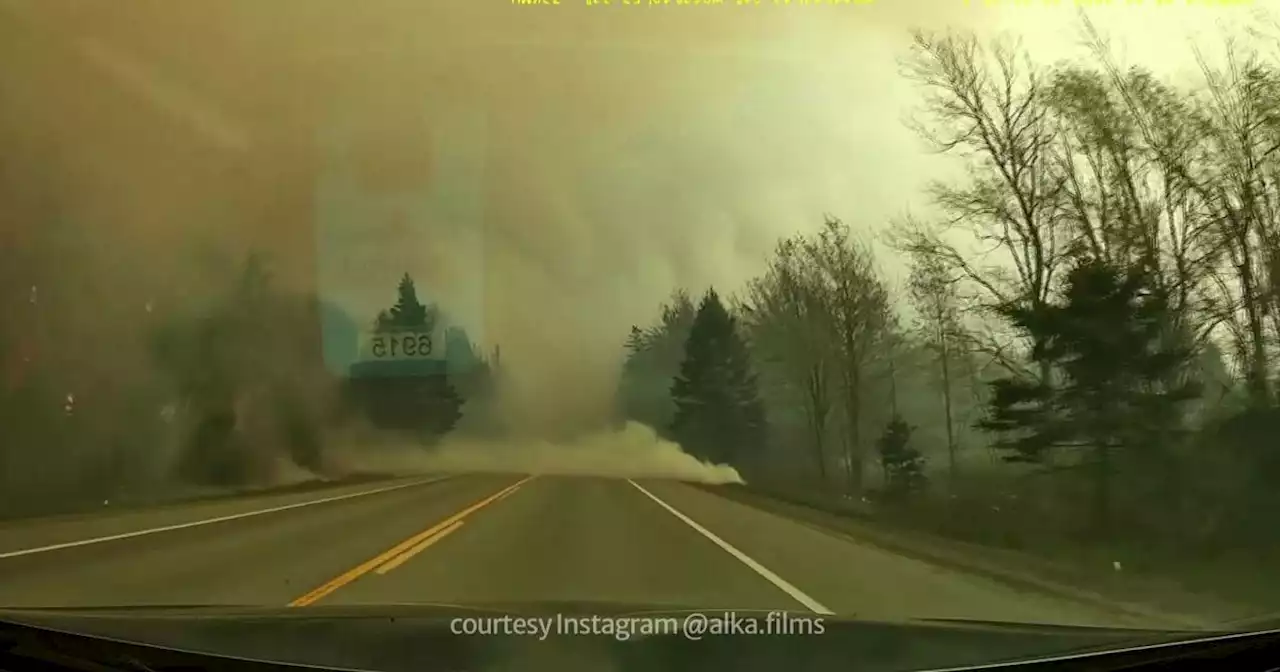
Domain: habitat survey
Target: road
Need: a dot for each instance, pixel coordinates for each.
(493, 538)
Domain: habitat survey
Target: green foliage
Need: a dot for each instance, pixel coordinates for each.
(426, 406)
(248, 368)
(787, 314)
(903, 465)
(1021, 415)
(472, 374)
(1119, 375)
(653, 358)
(418, 398)
(1233, 481)
(718, 417)
(408, 312)
(1118, 379)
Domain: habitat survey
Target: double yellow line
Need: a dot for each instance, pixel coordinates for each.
(401, 552)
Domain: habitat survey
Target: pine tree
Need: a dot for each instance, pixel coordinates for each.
(1119, 380)
(635, 342)
(419, 396)
(718, 415)
(470, 373)
(903, 464)
(631, 397)
(652, 362)
(408, 312)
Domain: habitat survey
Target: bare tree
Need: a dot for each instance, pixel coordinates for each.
(1242, 120)
(787, 311)
(860, 317)
(933, 292)
(1220, 151)
(986, 105)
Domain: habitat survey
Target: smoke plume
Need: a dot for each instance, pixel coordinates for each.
(633, 451)
(630, 150)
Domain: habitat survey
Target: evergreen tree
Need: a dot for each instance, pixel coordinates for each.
(718, 413)
(1119, 379)
(460, 353)
(903, 464)
(427, 406)
(470, 373)
(411, 396)
(242, 357)
(635, 346)
(652, 362)
(408, 312)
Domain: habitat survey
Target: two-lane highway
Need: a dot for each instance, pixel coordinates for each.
(473, 539)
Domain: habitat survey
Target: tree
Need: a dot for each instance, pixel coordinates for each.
(860, 321)
(250, 372)
(470, 372)
(718, 414)
(652, 361)
(212, 358)
(427, 406)
(903, 465)
(415, 396)
(987, 104)
(1118, 384)
(789, 315)
(933, 291)
(408, 312)
(1238, 131)
(1214, 150)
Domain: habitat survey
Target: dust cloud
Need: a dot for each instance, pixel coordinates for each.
(633, 451)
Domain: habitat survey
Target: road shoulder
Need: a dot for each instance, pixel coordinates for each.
(1142, 597)
(22, 535)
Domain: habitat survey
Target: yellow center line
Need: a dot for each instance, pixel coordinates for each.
(510, 491)
(382, 558)
(422, 546)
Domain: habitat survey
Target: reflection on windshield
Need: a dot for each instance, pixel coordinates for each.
(407, 305)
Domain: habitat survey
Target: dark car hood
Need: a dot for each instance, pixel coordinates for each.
(418, 637)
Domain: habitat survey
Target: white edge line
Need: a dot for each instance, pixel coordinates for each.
(795, 593)
(210, 521)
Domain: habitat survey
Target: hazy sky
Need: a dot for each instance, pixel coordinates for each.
(769, 128)
(630, 149)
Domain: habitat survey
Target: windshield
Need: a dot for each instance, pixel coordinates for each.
(890, 310)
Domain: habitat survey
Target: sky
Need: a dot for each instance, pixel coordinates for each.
(629, 149)
(772, 124)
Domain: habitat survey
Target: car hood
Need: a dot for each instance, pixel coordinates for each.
(419, 637)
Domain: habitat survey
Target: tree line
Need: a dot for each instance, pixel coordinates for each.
(424, 396)
(252, 358)
(224, 383)
(1086, 343)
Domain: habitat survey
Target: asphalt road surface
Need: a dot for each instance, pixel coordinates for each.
(491, 538)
